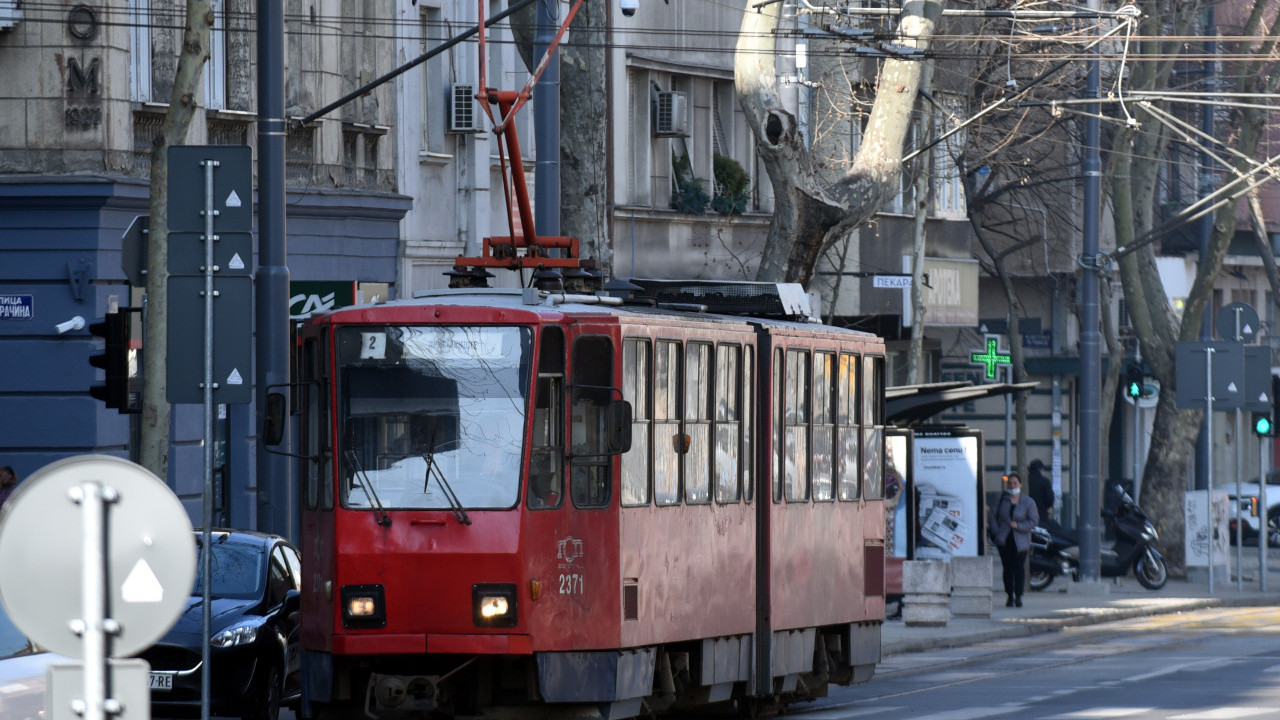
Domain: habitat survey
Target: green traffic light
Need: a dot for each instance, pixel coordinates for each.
(1262, 426)
(1135, 389)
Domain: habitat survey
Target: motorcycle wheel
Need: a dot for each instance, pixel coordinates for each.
(1151, 571)
(1039, 579)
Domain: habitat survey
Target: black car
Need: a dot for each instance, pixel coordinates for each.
(253, 638)
(23, 665)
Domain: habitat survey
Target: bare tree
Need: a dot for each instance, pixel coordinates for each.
(194, 52)
(809, 213)
(1133, 173)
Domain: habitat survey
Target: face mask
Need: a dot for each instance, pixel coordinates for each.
(1015, 491)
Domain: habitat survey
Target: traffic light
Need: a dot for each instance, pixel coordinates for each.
(114, 330)
(1133, 381)
(1262, 424)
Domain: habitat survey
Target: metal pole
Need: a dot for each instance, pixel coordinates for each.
(276, 508)
(1264, 532)
(208, 385)
(1204, 452)
(1208, 430)
(1008, 424)
(1137, 444)
(1239, 489)
(546, 123)
(93, 576)
(1090, 338)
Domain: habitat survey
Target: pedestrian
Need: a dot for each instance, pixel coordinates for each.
(1041, 489)
(1010, 525)
(8, 481)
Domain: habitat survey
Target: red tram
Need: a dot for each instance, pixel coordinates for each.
(625, 504)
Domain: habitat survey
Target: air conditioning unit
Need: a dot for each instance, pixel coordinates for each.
(673, 115)
(462, 109)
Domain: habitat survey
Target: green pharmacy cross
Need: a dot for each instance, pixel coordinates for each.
(991, 358)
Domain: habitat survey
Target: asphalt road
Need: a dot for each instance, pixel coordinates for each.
(1213, 664)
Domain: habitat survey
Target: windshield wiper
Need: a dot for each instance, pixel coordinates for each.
(358, 473)
(445, 488)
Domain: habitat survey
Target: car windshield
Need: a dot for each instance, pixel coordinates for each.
(236, 569)
(432, 417)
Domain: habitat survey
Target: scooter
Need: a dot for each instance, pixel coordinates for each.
(1056, 551)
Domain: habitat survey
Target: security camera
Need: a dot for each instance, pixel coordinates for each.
(75, 323)
(629, 7)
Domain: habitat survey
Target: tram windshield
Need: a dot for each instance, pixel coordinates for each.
(432, 417)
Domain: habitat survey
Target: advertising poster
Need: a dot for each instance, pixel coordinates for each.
(947, 494)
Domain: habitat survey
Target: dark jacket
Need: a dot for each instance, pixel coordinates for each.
(1024, 513)
(1041, 489)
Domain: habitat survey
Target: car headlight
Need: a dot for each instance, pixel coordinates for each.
(364, 606)
(242, 633)
(494, 604)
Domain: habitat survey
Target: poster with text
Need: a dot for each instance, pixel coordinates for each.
(948, 503)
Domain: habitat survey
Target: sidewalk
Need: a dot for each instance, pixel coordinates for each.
(1066, 603)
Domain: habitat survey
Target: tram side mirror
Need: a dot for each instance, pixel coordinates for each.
(274, 418)
(619, 426)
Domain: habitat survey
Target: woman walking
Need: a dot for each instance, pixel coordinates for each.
(1011, 522)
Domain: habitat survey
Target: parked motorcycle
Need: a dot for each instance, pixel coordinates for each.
(1056, 550)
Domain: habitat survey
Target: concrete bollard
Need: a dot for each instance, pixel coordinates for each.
(971, 579)
(926, 585)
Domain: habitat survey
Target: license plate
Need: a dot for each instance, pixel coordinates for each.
(161, 681)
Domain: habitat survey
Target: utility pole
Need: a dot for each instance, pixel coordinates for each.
(1205, 228)
(276, 508)
(546, 122)
(1091, 340)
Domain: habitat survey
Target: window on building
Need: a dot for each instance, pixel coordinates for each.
(435, 89)
(948, 186)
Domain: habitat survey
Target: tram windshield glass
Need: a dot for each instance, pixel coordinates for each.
(432, 417)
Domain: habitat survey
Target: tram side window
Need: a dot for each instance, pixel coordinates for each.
(823, 424)
(847, 422)
(592, 390)
(635, 390)
(666, 423)
(797, 416)
(318, 478)
(546, 474)
(697, 422)
(728, 424)
(776, 432)
(748, 415)
(872, 426)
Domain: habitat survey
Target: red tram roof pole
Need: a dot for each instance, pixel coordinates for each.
(522, 248)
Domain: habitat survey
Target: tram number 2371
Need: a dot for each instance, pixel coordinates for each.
(570, 584)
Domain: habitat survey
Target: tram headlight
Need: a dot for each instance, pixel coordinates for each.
(494, 604)
(364, 606)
